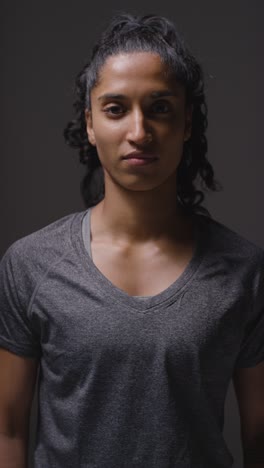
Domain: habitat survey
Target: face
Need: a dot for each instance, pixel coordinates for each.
(136, 107)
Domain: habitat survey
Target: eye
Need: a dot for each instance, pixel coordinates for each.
(161, 107)
(114, 110)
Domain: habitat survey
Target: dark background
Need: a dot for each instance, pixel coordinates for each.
(45, 44)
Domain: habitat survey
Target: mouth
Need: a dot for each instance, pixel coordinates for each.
(137, 159)
(141, 156)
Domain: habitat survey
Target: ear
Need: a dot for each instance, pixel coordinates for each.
(188, 123)
(89, 127)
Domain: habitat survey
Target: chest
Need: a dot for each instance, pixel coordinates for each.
(141, 271)
(196, 334)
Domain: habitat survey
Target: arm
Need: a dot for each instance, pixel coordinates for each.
(249, 390)
(17, 382)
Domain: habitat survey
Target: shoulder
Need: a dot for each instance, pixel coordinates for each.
(223, 236)
(230, 246)
(33, 253)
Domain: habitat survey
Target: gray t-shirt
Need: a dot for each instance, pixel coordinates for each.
(125, 381)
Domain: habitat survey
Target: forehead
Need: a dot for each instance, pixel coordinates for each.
(136, 70)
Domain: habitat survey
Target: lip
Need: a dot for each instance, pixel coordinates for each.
(140, 155)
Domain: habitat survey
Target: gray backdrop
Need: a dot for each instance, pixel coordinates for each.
(44, 45)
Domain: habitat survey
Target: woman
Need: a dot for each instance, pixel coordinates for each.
(141, 308)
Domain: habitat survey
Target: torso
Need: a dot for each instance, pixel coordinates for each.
(144, 270)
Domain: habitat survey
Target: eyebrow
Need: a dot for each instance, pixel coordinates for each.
(154, 94)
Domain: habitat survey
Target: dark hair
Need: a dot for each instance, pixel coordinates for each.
(127, 33)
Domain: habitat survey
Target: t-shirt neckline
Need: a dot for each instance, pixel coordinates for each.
(112, 292)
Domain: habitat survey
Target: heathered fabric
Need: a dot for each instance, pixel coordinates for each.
(130, 382)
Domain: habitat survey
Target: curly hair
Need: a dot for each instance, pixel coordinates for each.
(150, 33)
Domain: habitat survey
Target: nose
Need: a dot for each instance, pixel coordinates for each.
(139, 131)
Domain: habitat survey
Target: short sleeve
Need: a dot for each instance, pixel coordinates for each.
(16, 333)
(252, 346)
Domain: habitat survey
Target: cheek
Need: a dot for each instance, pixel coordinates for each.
(108, 138)
(176, 127)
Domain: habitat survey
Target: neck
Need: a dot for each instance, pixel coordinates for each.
(140, 216)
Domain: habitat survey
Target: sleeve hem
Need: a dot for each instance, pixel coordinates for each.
(250, 363)
(19, 350)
